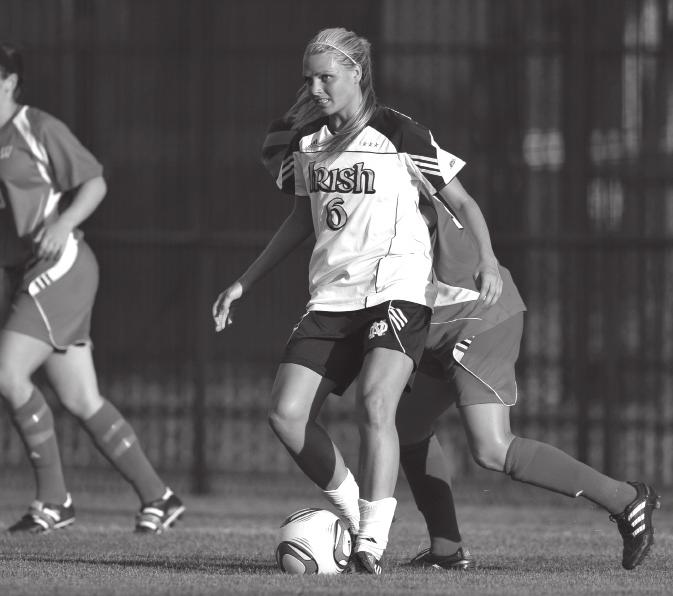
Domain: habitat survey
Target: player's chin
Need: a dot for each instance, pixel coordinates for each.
(326, 108)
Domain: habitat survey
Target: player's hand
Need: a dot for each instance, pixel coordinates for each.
(50, 240)
(489, 281)
(222, 309)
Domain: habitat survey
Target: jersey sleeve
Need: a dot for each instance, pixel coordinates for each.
(433, 167)
(70, 162)
(278, 157)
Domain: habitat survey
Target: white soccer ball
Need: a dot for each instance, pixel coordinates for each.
(313, 541)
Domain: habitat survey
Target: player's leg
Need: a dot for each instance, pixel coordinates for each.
(393, 340)
(323, 356)
(20, 356)
(428, 472)
(73, 376)
(494, 446)
(526, 460)
(382, 379)
(298, 395)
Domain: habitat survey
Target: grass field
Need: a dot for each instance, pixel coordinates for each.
(525, 541)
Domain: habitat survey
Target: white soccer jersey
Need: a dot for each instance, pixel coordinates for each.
(372, 244)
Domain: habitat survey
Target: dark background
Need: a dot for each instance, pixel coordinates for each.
(563, 110)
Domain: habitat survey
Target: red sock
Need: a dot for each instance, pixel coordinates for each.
(548, 467)
(116, 440)
(35, 423)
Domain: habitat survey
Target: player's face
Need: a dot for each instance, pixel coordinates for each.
(334, 89)
(7, 86)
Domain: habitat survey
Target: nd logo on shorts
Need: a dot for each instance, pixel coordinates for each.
(378, 329)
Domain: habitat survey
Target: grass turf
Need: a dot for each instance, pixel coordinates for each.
(526, 541)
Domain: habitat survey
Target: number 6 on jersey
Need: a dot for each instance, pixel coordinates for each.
(336, 215)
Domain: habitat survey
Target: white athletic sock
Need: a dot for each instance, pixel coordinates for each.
(345, 499)
(376, 518)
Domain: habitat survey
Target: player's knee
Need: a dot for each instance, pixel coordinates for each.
(14, 387)
(81, 404)
(286, 421)
(490, 455)
(376, 410)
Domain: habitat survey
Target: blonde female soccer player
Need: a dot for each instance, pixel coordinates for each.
(358, 171)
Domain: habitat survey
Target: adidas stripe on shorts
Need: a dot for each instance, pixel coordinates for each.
(55, 304)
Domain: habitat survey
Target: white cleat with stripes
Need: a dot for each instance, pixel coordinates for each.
(635, 525)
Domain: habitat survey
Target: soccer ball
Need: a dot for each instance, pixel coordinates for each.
(313, 541)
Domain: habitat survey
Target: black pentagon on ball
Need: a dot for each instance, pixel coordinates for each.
(293, 559)
(302, 514)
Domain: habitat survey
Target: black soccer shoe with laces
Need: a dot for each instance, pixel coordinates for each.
(45, 517)
(157, 516)
(363, 562)
(635, 525)
(461, 560)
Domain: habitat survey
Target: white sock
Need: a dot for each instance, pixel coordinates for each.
(345, 499)
(376, 518)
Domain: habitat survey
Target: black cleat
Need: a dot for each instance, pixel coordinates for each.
(45, 517)
(157, 516)
(363, 562)
(635, 525)
(461, 560)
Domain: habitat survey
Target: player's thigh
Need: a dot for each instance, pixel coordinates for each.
(382, 379)
(419, 409)
(72, 375)
(298, 393)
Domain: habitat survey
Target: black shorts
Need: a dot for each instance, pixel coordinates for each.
(334, 344)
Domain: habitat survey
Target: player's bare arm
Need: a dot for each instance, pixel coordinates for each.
(51, 238)
(466, 209)
(292, 232)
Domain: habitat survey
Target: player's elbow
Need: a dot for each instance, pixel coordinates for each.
(101, 187)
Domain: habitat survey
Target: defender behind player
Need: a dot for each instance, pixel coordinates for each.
(54, 278)
(472, 349)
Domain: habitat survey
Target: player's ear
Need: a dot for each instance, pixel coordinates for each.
(357, 74)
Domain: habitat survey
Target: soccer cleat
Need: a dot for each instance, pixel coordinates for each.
(363, 562)
(635, 525)
(461, 560)
(45, 517)
(157, 516)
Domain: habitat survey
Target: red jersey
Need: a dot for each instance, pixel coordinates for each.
(40, 159)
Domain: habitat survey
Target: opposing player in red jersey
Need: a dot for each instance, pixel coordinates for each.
(54, 277)
(472, 349)
(357, 171)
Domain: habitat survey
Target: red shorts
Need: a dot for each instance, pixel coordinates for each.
(478, 368)
(54, 304)
(333, 344)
